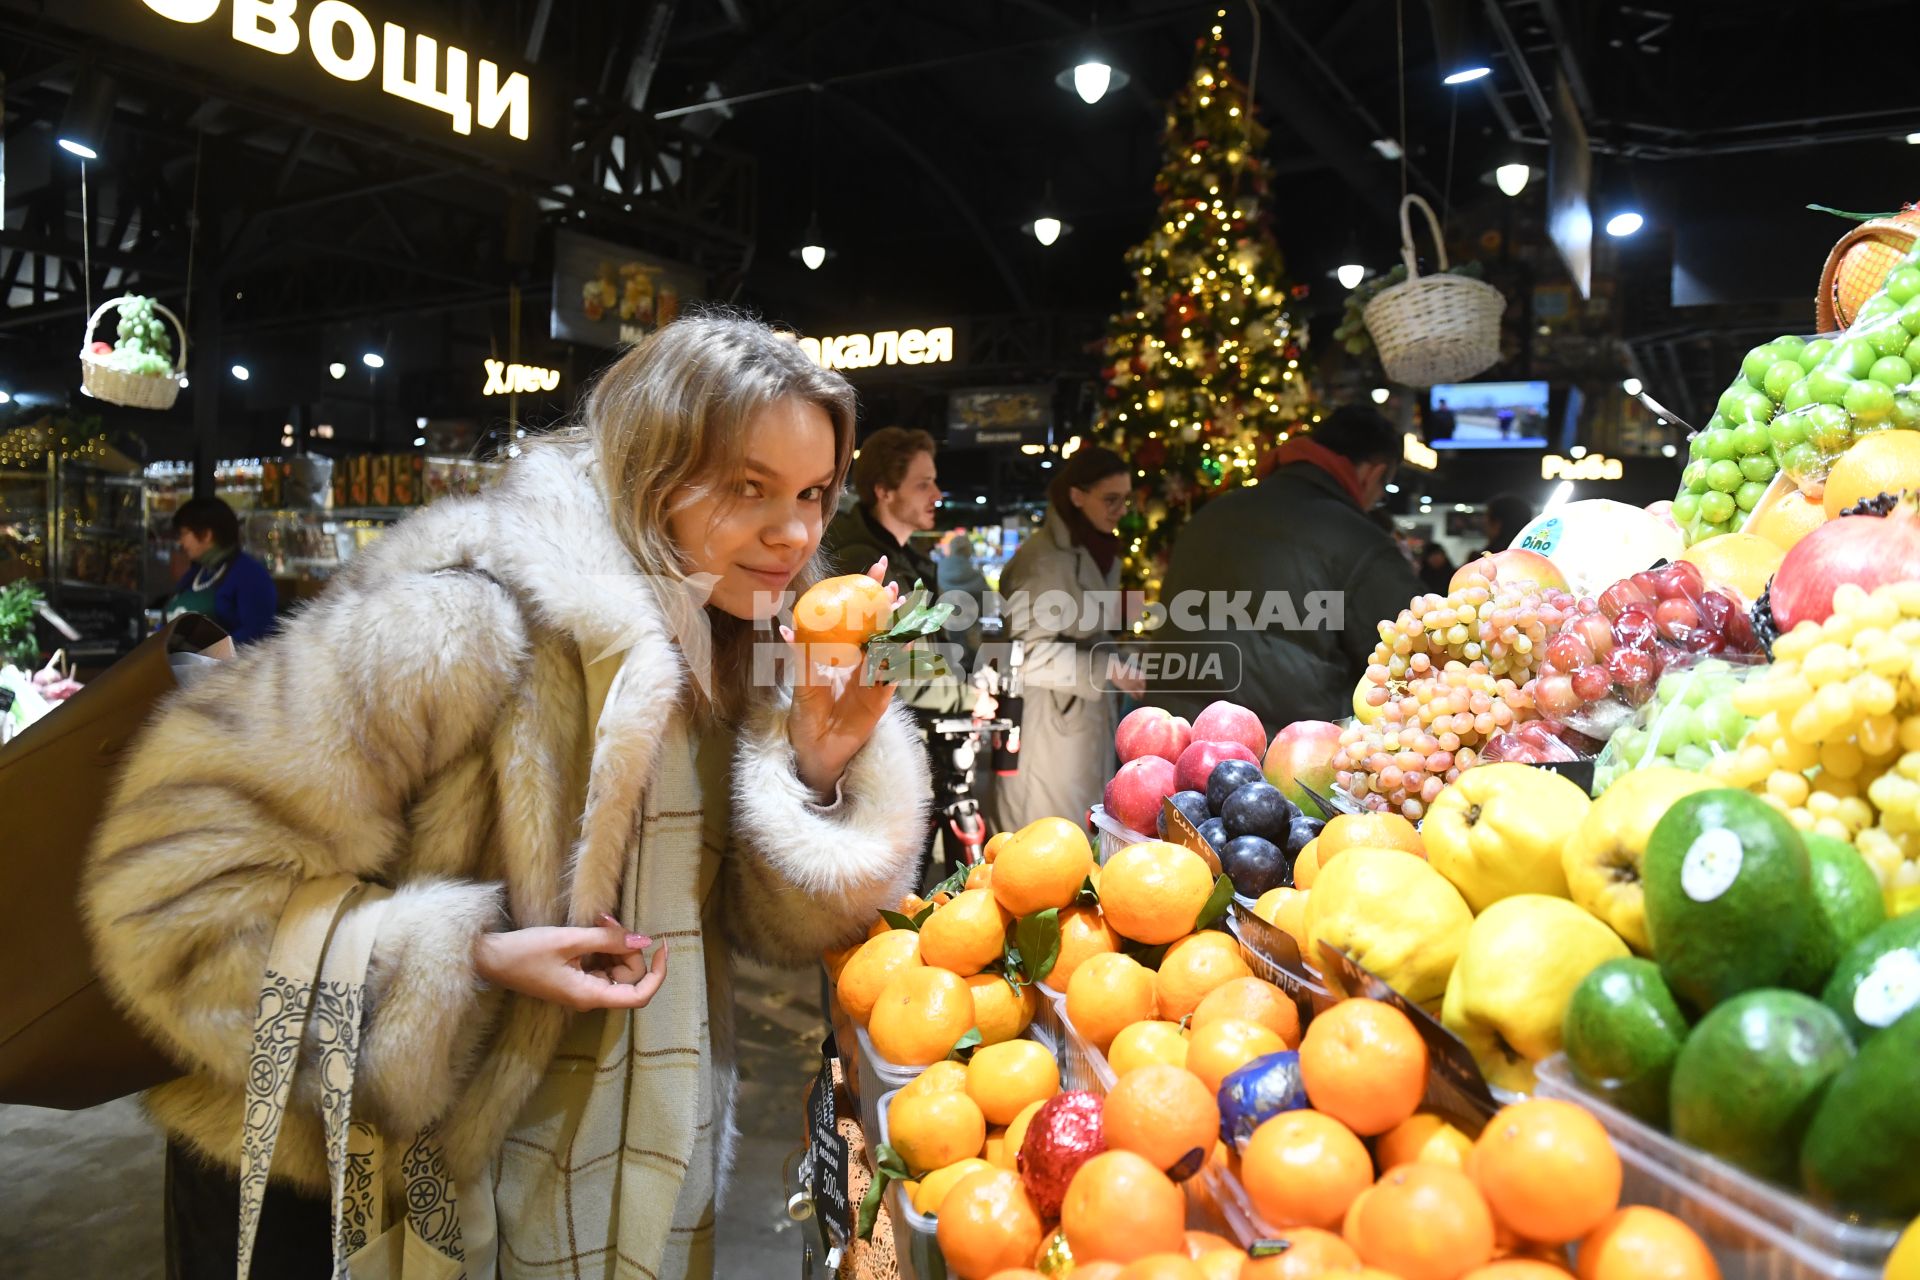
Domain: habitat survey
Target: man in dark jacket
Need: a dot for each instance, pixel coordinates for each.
(900, 496)
(1291, 574)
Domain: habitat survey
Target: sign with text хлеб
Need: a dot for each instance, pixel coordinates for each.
(505, 379)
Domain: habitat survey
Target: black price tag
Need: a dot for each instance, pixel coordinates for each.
(1181, 831)
(827, 1157)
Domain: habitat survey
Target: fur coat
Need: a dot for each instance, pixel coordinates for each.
(423, 725)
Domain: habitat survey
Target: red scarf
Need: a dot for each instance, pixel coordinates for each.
(1302, 449)
(1103, 547)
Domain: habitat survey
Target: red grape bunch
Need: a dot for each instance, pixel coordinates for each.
(1424, 738)
(1608, 657)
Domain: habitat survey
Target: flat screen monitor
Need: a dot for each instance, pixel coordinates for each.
(1488, 415)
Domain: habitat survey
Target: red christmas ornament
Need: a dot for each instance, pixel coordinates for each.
(1201, 144)
(1063, 1135)
(1151, 454)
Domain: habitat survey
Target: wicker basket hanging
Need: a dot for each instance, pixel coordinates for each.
(1434, 328)
(134, 390)
(1859, 264)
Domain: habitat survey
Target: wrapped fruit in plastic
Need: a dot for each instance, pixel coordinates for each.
(1607, 660)
(1690, 721)
(1859, 382)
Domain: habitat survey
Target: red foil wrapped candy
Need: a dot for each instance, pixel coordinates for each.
(1063, 1135)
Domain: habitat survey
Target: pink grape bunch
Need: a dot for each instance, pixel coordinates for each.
(1427, 736)
(1503, 625)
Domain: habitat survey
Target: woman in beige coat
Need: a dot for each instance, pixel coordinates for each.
(1062, 598)
(546, 719)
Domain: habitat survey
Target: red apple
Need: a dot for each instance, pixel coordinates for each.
(1197, 761)
(1149, 731)
(1302, 756)
(1515, 564)
(1134, 794)
(1230, 722)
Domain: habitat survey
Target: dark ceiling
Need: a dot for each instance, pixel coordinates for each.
(923, 136)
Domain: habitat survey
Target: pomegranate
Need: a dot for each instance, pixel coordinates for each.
(1867, 550)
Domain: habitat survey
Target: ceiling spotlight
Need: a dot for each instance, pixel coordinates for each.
(980, 499)
(373, 360)
(420, 423)
(1092, 78)
(1577, 452)
(1381, 395)
(1350, 274)
(1046, 229)
(1625, 223)
(1466, 75)
(1388, 148)
(1913, 139)
(1668, 451)
(5, 398)
(812, 252)
(337, 371)
(83, 126)
(419, 442)
(1512, 178)
(1633, 386)
(241, 372)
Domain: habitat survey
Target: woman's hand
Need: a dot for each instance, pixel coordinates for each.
(833, 716)
(551, 964)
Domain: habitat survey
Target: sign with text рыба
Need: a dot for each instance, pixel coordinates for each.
(348, 57)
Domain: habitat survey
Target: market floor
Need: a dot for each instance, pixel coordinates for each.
(80, 1191)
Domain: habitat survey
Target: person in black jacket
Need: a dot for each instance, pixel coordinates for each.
(1292, 575)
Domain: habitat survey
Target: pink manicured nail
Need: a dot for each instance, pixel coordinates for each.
(638, 941)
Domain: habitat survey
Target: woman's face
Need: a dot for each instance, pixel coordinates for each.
(1105, 502)
(754, 533)
(194, 544)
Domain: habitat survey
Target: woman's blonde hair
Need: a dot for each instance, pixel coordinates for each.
(668, 422)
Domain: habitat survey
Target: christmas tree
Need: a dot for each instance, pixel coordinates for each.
(1204, 368)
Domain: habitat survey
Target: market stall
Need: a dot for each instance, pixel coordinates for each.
(1589, 944)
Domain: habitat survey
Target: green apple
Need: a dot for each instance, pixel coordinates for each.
(1759, 466)
(1903, 284)
(1716, 507)
(1853, 356)
(1828, 384)
(1814, 354)
(1754, 367)
(1750, 438)
(1747, 496)
(1789, 427)
(1685, 508)
(1892, 370)
(1723, 475)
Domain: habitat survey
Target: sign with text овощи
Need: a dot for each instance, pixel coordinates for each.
(607, 295)
(380, 62)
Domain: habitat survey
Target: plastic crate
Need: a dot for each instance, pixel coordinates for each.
(877, 1077)
(1757, 1231)
(1113, 836)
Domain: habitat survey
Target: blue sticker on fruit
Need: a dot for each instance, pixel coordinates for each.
(1543, 538)
(1258, 1092)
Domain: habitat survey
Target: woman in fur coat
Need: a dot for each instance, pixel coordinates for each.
(539, 716)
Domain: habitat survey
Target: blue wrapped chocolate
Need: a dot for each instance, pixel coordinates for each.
(1258, 1092)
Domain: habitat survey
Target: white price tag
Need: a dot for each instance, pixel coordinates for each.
(1712, 864)
(1890, 989)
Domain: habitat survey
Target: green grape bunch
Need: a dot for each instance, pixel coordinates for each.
(143, 344)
